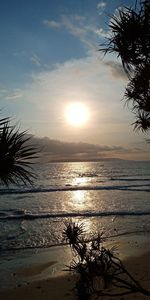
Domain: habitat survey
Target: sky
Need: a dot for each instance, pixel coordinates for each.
(50, 59)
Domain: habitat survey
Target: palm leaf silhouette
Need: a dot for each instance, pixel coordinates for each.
(138, 89)
(15, 155)
(142, 121)
(130, 40)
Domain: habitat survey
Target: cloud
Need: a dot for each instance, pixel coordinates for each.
(52, 24)
(79, 30)
(14, 95)
(80, 27)
(56, 150)
(79, 18)
(116, 69)
(3, 90)
(35, 60)
(86, 80)
(102, 33)
(101, 5)
(83, 79)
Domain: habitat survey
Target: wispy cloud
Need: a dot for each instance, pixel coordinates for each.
(14, 95)
(102, 33)
(80, 27)
(101, 5)
(35, 60)
(52, 24)
(116, 69)
(3, 90)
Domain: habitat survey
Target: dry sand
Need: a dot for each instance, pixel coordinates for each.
(62, 287)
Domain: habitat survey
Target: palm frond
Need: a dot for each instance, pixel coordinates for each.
(15, 155)
(3, 122)
(130, 40)
(130, 36)
(138, 89)
(142, 121)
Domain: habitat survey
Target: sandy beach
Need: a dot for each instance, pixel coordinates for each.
(60, 285)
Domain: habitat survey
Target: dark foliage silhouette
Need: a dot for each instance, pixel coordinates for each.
(15, 155)
(130, 40)
(100, 272)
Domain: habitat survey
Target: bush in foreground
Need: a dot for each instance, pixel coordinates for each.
(100, 272)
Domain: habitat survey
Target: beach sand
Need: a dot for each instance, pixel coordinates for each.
(61, 286)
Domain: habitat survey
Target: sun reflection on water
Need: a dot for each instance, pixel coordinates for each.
(88, 225)
(80, 202)
(78, 199)
(80, 180)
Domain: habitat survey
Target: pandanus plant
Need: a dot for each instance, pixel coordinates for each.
(100, 272)
(130, 40)
(15, 155)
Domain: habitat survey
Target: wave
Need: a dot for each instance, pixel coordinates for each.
(25, 215)
(88, 174)
(129, 179)
(68, 188)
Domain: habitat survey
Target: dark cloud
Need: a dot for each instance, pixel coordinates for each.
(116, 69)
(55, 150)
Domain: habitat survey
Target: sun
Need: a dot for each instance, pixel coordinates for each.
(77, 114)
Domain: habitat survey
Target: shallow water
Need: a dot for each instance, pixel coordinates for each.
(109, 196)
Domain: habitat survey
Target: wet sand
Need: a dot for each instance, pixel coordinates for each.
(61, 287)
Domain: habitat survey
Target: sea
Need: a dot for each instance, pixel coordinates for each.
(110, 196)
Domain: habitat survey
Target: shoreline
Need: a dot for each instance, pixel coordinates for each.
(43, 272)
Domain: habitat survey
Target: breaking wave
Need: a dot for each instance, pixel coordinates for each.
(140, 187)
(26, 215)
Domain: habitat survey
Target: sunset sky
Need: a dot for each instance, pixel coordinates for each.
(49, 60)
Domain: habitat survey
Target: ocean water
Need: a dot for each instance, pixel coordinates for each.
(108, 196)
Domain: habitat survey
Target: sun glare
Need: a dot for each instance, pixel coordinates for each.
(77, 114)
